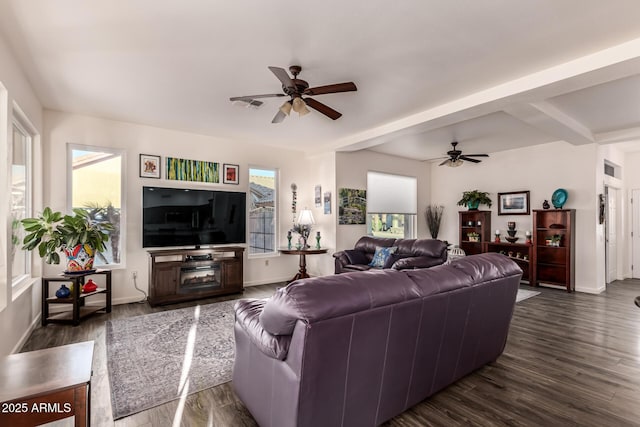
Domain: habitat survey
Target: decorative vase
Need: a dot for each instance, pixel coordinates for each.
(318, 240)
(63, 292)
(473, 206)
(79, 258)
(289, 239)
(546, 205)
(89, 287)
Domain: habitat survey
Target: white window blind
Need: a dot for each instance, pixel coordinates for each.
(388, 193)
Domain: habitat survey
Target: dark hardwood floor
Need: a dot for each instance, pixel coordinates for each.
(571, 359)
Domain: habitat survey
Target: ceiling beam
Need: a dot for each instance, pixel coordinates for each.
(599, 67)
(623, 135)
(553, 121)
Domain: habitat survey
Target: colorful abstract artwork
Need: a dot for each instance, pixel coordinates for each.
(352, 206)
(193, 170)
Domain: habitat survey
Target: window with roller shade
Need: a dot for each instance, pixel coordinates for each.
(392, 202)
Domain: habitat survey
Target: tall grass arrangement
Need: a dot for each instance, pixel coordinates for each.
(434, 218)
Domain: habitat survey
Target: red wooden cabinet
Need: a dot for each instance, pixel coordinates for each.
(554, 247)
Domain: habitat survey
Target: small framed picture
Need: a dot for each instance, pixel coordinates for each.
(230, 174)
(513, 203)
(149, 166)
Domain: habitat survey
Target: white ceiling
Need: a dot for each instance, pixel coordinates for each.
(493, 74)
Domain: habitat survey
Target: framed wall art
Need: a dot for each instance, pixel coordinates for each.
(513, 203)
(230, 174)
(193, 170)
(352, 206)
(149, 166)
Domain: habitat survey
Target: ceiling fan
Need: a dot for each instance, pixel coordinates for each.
(295, 88)
(456, 158)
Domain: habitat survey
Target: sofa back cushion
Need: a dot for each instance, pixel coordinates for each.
(368, 244)
(320, 298)
(325, 297)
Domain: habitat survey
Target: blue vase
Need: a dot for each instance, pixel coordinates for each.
(63, 292)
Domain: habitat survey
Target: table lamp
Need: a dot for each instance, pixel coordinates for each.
(305, 221)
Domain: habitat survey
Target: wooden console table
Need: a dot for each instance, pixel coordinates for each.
(42, 386)
(302, 272)
(76, 299)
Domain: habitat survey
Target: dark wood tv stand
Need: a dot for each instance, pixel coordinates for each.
(177, 275)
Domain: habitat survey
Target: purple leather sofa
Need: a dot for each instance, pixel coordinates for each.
(411, 253)
(357, 349)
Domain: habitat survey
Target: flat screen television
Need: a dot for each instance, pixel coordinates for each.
(186, 217)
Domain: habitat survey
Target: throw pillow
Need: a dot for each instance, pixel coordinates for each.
(381, 255)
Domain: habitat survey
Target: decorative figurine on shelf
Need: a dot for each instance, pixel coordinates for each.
(546, 205)
(289, 239)
(497, 239)
(63, 292)
(527, 234)
(89, 287)
(511, 226)
(318, 240)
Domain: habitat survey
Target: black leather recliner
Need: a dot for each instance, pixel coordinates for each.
(411, 253)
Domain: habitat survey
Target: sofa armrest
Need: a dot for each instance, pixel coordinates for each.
(417, 262)
(248, 318)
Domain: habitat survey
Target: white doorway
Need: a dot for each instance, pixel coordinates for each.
(635, 236)
(611, 234)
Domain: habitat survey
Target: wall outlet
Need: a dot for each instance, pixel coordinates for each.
(266, 263)
(134, 274)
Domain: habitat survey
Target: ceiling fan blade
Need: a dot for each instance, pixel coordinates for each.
(477, 155)
(322, 108)
(249, 98)
(469, 159)
(283, 76)
(335, 88)
(279, 117)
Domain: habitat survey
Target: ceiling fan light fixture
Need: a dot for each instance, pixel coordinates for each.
(286, 108)
(455, 163)
(299, 106)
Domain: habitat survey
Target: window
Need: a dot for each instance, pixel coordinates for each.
(96, 181)
(262, 211)
(391, 205)
(397, 226)
(21, 182)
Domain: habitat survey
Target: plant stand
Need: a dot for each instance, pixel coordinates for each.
(77, 299)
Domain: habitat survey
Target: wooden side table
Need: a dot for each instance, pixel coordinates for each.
(47, 385)
(76, 299)
(302, 272)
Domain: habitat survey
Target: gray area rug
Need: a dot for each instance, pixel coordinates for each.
(524, 294)
(146, 355)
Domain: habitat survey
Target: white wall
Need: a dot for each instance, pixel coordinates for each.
(540, 169)
(19, 311)
(351, 172)
(63, 128)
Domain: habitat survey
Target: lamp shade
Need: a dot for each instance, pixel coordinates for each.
(299, 106)
(305, 217)
(286, 107)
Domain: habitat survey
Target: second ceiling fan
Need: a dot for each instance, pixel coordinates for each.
(295, 88)
(456, 158)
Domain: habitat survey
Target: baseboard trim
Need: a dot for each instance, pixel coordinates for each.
(267, 281)
(27, 333)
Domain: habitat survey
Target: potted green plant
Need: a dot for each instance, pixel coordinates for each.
(473, 236)
(473, 199)
(77, 235)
